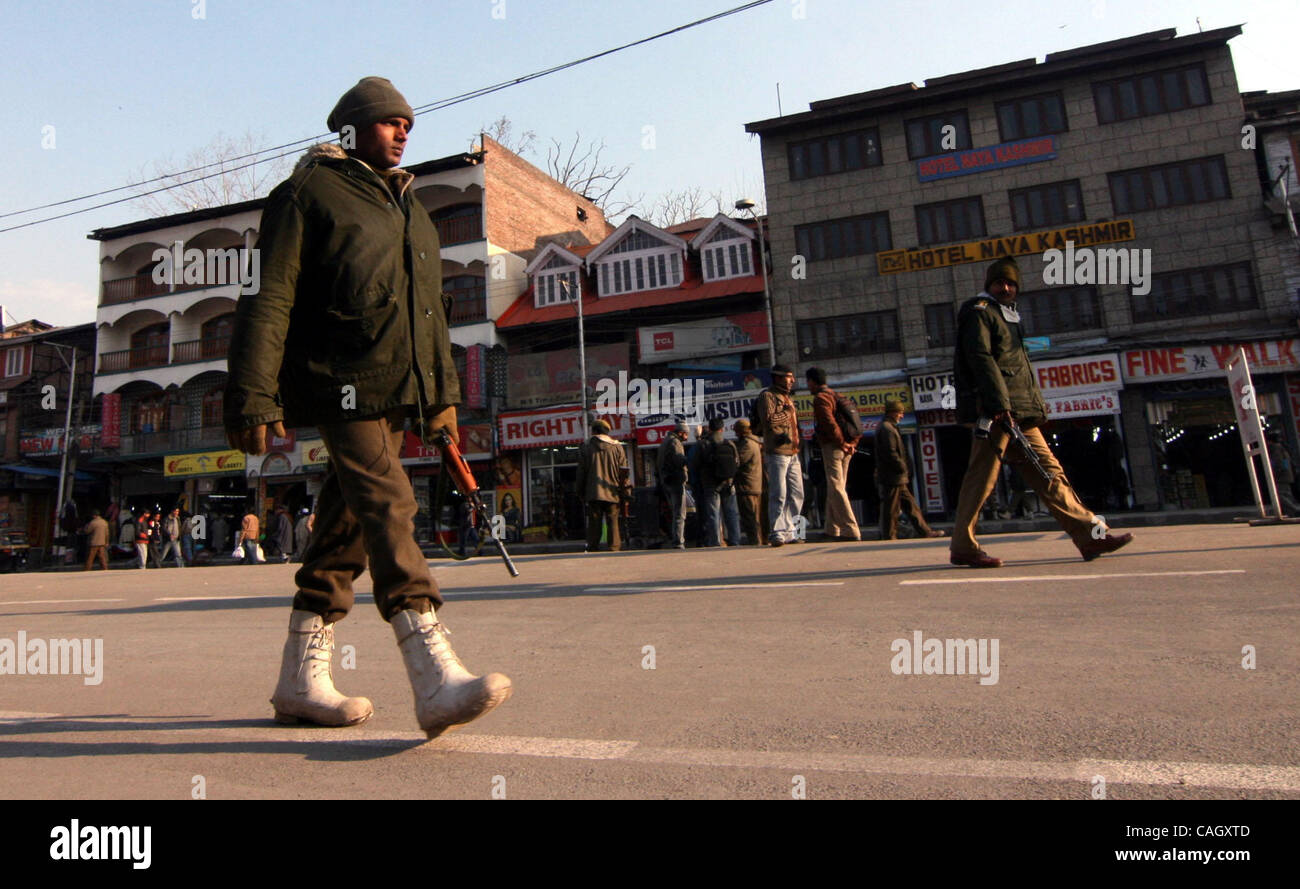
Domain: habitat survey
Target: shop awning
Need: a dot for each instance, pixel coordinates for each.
(44, 470)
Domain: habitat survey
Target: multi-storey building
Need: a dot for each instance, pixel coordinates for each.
(680, 309)
(168, 291)
(34, 393)
(1129, 158)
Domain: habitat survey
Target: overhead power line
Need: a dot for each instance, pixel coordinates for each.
(292, 147)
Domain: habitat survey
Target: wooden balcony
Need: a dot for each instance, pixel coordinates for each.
(468, 305)
(131, 359)
(125, 290)
(213, 349)
(459, 229)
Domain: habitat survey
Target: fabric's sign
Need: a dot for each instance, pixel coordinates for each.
(693, 339)
(917, 259)
(979, 160)
(1073, 376)
(203, 463)
(1175, 362)
(552, 427)
(931, 471)
(548, 377)
(1091, 404)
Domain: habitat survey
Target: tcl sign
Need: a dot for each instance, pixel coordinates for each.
(663, 340)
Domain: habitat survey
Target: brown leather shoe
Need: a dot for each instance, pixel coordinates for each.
(980, 559)
(1107, 544)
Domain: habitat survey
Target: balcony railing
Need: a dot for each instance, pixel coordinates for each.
(201, 437)
(459, 229)
(468, 305)
(124, 290)
(211, 349)
(131, 359)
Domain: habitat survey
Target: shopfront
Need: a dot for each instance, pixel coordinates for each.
(1185, 401)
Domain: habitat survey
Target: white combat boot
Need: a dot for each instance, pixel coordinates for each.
(306, 690)
(446, 694)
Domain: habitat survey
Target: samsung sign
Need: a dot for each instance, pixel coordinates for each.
(979, 160)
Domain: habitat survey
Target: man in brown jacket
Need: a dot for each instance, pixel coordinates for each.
(749, 483)
(601, 468)
(893, 474)
(96, 540)
(777, 419)
(836, 454)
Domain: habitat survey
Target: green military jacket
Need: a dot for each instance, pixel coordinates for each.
(351, 296)
(991, 369)
(601, 463)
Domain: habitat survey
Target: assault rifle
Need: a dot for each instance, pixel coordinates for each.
(464, 479)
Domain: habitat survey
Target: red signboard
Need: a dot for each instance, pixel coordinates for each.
(476, 376)
(1180, 362)
(931, 470)
(550, 427)
(111, 415)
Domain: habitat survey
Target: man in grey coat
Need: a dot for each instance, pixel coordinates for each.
(602, 468)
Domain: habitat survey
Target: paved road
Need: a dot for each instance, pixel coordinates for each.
(774, 673)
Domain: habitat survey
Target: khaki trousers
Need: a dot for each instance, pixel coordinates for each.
(750, 519)
(97, 552)
(365, 516)
(893, 498)
(840, 521)
(982, 475)
(599, 512)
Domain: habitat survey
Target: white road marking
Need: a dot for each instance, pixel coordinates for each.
(1031, 578)
(711, 586)
(1231, 776)
(57, 601)
(222, 598)
(22, 715)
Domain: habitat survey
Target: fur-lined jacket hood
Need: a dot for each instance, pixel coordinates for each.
(397, 178)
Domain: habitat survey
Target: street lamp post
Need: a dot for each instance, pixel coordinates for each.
(67, 435)
(748, 204)
(566, 287)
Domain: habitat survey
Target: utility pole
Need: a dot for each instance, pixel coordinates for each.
(67, 436)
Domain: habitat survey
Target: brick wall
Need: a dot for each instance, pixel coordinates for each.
(526, 208)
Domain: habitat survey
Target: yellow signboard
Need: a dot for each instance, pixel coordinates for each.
(203, 463)
(868, 401)
(917, 259)
(314, 453)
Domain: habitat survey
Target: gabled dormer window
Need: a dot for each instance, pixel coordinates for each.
(556, 282)
(726, 256)
(639, 262)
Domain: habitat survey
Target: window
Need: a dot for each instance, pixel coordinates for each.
(1156, 92)
(214, 336)
(852, 236)
(149, 346)
(940, 326)
(925, 135)
(14, 361)
(848, 335)
(834, 154)
(557, 287)
(726, 257)
(458, 224)
(1204, 291)
(1031, 116)
(1170, 185)
(212, 408)
(957, 220)
(1059, 310)
(1052, 204)
(647, 271)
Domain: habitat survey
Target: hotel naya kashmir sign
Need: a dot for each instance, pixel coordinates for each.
(916, 259)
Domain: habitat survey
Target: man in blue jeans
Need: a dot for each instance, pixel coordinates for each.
(719, 461)
(777, 420)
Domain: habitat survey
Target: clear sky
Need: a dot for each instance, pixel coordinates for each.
(125, 84)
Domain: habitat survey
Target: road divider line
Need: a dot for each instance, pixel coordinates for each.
(1029, 578)
(221, 598)
(57, 601)
(711, 586)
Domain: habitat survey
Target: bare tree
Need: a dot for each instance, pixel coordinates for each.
(234, 180)
(502, 132)
(673, 207)
(581, 170)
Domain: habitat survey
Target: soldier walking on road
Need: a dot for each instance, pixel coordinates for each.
(893, 477)
(995, 385)
(350, 334)
(749, 483)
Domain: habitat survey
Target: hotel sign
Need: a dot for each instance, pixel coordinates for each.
(979, 160)
(917, 259)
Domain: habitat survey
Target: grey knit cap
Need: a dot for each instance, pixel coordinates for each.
(372, 99)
